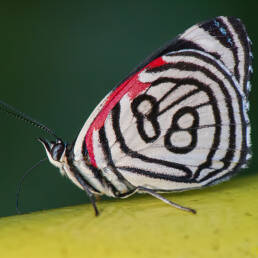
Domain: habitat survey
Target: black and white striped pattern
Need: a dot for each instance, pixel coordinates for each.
(226, 39)
(190, 127)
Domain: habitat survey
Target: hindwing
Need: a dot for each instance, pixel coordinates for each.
(179, 120)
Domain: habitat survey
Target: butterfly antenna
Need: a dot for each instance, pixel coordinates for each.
(18, 193)
(20, 115)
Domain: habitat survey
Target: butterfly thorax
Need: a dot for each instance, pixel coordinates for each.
(82, 173)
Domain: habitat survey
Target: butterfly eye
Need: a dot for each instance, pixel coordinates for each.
(57, 151)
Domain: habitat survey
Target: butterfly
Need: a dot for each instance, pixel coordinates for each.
(177, 122)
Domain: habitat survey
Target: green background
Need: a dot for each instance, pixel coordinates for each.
(59, 59)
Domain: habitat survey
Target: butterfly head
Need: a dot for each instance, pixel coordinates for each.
(56, 151)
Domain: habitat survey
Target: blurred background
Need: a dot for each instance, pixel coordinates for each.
(60, 58)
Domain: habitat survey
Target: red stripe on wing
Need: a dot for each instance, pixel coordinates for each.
(132, 87)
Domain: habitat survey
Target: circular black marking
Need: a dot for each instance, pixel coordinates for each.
(135, 154)
(151, 116)
(192, 130)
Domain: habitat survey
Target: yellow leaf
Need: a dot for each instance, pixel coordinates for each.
(226, 225)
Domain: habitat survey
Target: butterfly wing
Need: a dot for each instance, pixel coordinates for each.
(179, 120)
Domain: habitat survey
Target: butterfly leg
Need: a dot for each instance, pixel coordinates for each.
(153, 193)
(88, 192)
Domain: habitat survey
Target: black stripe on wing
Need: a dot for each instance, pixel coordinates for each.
(156, 175)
